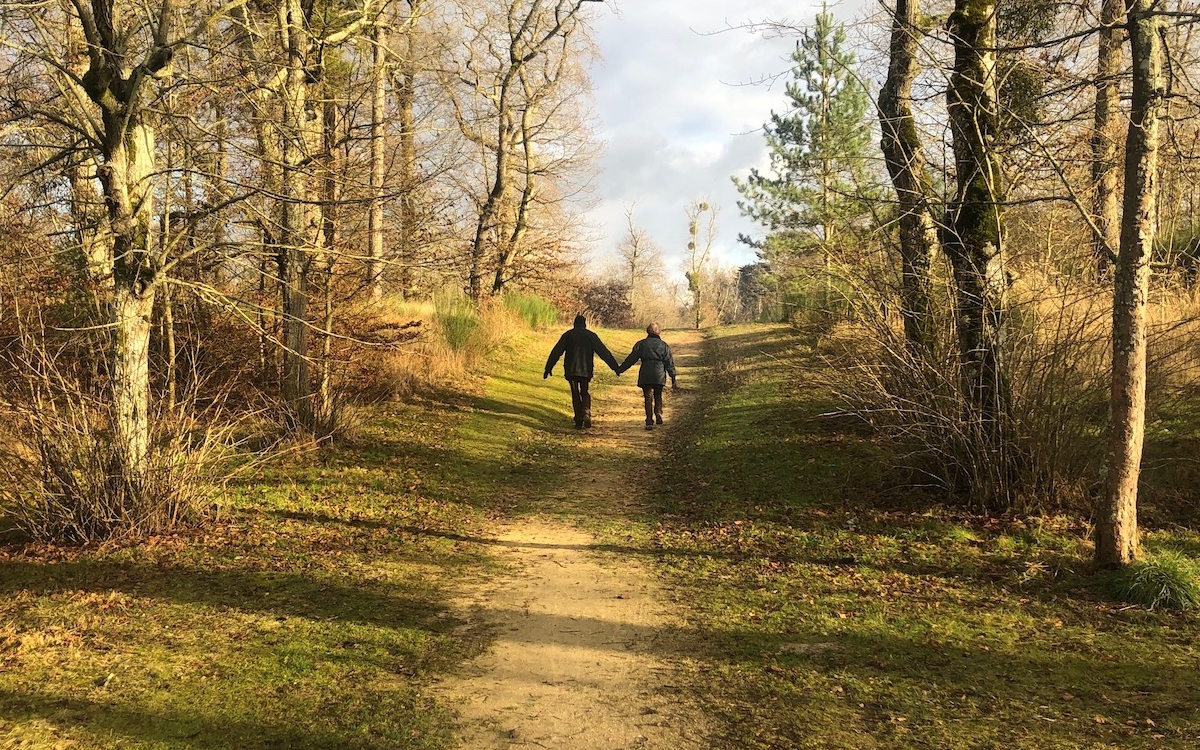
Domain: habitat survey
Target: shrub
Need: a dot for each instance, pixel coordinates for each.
(61, 477)
(608, 303)
(1166, 580)
(1046, 450)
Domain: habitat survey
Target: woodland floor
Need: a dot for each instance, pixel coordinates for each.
(470, 571)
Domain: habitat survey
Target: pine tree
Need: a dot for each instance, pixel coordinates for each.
(816, 193)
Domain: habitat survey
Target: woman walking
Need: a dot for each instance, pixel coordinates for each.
(657, 364)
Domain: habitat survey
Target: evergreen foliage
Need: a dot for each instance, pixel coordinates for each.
(816, 193)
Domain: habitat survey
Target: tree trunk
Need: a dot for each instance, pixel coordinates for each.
(168, 330)
(378, 149)
(125, 177)
(1116, 525)
(486, 223)
(1105, 134)
(408, 182)
(132, 312)
(406, 96)
(972, 229)
(295, 214)
(905, 158)
(516, 236)
(330, 200)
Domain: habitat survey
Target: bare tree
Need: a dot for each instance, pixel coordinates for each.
(1107, 121)
(379, 76)
(1116, 525)
(702, 233)
(905, 159)
(519, 52)
(103, 93)
(972, 236)
(639, 255)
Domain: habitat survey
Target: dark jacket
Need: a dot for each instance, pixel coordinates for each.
(580, 345)
(656, 359)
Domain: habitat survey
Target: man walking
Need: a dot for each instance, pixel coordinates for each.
(580, 345)
(657, 364)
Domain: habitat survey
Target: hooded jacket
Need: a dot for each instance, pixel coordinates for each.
(657, 362)
(580, 346)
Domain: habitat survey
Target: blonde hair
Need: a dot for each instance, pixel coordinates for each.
(653, 329)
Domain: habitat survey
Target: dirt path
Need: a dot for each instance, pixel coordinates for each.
(582, 633)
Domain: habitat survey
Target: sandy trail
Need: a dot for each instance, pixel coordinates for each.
(584, 635)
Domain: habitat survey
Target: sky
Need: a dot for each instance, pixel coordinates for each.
(679, 110)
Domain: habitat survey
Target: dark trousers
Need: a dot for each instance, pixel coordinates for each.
(581, 400)
(653, 396)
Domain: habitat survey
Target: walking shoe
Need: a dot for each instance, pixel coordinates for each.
(587, 422)
(658, 418)
(579, 425)
(649, 425)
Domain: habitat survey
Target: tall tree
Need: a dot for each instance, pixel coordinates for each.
(378, 151)
(124, 59)
(817, 189)
(640, 257)
(702, 233)
(971, 235)
(905, 159)
(521, 49)
(1116, 525)
(1106, 129)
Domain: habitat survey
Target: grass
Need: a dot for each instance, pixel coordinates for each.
(537, 312)
(314, 614)
(1166, 580)
(834, 610)
(825, 607)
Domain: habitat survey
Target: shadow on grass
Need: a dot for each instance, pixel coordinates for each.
(187, 727)
(279, 594)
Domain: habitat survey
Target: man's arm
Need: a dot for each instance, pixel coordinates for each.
(670, 365)
(555, 353)
(605, 354)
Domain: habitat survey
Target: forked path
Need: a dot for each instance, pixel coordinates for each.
(585, 634)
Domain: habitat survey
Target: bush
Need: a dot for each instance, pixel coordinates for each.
(1167, 580)
(607, 302)
(61, 478)
(1046, 451)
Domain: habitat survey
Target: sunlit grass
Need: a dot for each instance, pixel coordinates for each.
(313, 614)
(837, 609)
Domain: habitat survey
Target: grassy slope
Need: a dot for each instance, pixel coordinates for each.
(835, 614)
(826, 611)
(312, 614)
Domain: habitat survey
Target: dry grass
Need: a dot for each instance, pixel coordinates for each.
(442, 341)
(1050, 448)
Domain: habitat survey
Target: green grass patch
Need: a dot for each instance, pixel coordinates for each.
(458, 320)
(835, 608)
(1165, 580)
(314, 614)
(534, 310)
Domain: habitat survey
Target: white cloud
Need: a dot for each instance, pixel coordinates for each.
(680, 115)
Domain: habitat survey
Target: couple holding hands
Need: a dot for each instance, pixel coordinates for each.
(580, 346)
